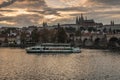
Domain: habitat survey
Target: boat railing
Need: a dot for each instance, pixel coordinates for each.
(55, 44)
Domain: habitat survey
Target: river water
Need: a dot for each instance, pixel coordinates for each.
(16, 64)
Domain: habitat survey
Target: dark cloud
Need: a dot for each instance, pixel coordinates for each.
(29, 4)
(7, 3)
(72, 9)
(6, 18)
(7, 10)
(109, 12)
(109, 2)
(24, 4)
(23, 20)
(46, 12)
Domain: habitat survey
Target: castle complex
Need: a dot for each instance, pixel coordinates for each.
(84, 22)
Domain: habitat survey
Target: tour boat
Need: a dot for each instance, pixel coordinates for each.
(53, 48)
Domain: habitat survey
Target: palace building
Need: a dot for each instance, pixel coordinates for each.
(84, 22)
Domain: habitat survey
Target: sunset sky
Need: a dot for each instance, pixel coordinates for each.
(34, 12)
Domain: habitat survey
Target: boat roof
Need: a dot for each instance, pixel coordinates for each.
(56, 44)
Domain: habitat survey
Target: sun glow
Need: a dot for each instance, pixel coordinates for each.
(50, 16)
(74, 2)
(65, 3)
(22, 11)
(16, 12)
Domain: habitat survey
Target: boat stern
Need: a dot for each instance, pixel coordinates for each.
(76, 50)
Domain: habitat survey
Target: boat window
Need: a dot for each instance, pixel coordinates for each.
(38, 48)
(45, 48)
(35, 48)
(65, 45)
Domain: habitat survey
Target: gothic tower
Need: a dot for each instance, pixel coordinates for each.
(77, 20)
(112, 23)
(81, 19)
(45, 24)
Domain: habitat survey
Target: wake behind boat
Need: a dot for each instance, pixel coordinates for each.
(53, 48)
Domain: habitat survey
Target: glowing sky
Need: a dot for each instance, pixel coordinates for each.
(34, 12)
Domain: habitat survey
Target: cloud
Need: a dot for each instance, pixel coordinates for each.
(4, 10)
(7, 3)
(24, 12)
(23, 20)
(108, 2)
(45, 12)
(29, 12)
(29, 4)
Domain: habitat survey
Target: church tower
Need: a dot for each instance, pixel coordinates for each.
(81, 19)
(45, 24)
(112, 23)
(77, 20)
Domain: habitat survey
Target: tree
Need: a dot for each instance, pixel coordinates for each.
(70, 29)
(35, 36)
(78, 33)
(52, 34)
(23, 37)
(45, 36)
(6, 40)
(61, 35)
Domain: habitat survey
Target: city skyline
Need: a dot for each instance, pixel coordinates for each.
(35, 12)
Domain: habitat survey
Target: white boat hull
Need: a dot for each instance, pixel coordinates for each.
(52, 49)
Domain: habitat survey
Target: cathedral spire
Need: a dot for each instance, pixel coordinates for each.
(82, 18)
(112, 22)
(45, 24)
(86, 18)
(77, 20)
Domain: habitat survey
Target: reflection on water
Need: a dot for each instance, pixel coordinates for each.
(16, 64)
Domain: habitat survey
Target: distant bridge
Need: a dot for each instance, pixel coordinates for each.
(99, 39)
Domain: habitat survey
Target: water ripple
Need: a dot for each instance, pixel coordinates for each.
(16, 64)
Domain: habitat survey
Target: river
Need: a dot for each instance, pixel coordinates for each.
(90, 64)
